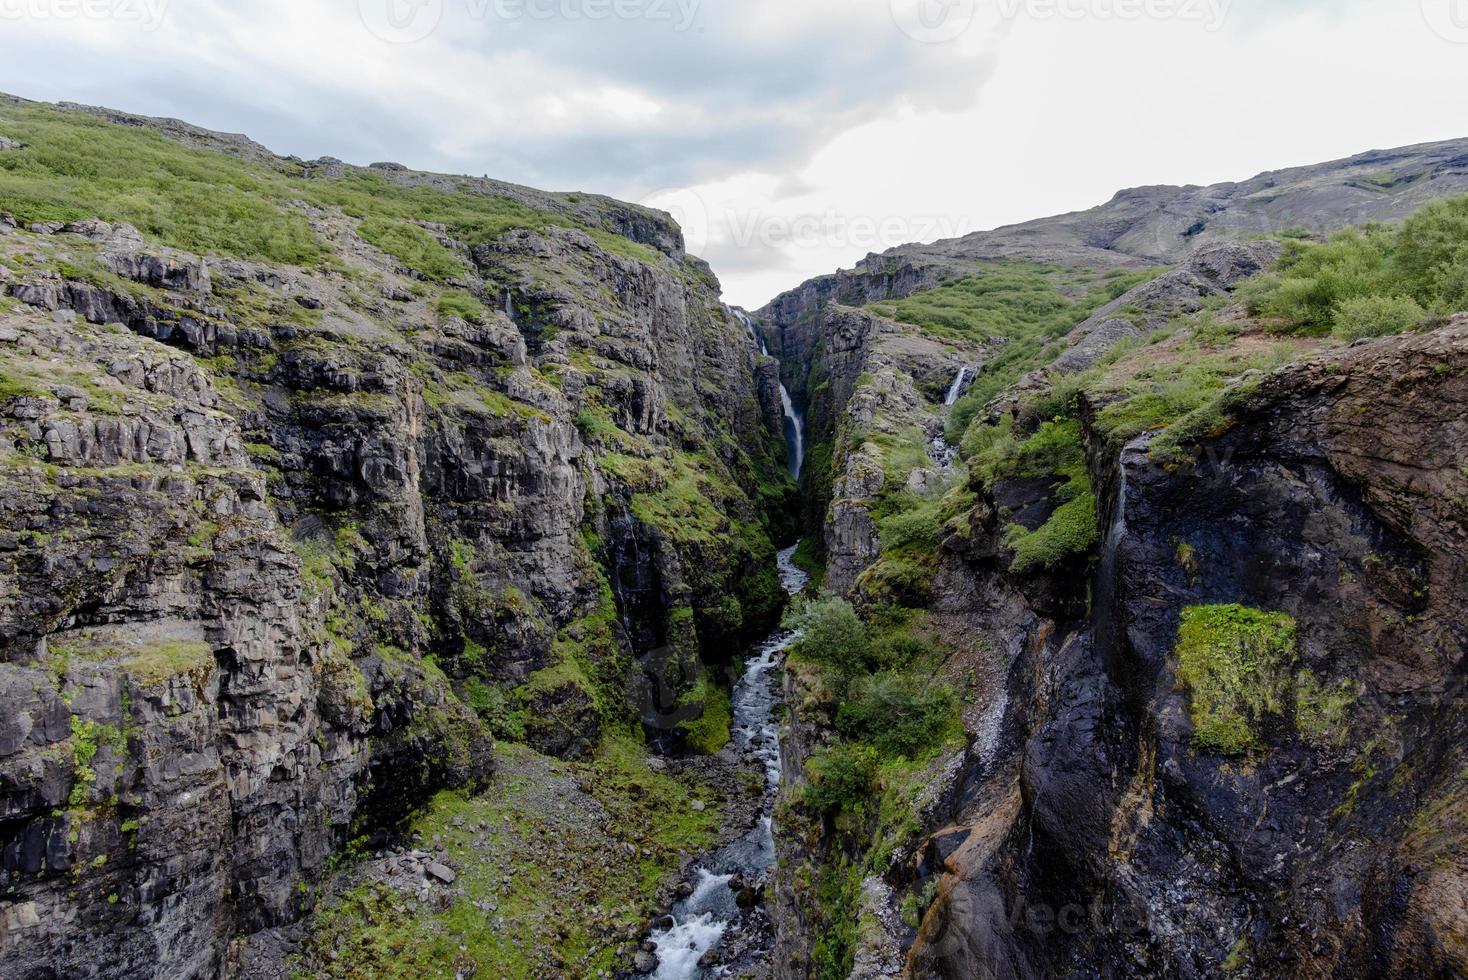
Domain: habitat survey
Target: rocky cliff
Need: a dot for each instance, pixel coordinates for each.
(317, 479)
(1190, 580)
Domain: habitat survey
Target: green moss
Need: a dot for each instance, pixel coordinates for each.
(710, 732)
(1072, 531)
(1322, 715)
(1236, 664)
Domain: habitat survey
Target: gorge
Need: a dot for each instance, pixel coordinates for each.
(412, 575)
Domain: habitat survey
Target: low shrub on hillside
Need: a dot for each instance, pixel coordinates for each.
(1371, 281)
(900, 714)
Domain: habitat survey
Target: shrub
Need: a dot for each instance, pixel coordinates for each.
(841, 779)
(1236, 663)
(833, 636)
(1377, 316)
(899, 714)
(1431, 259)
(897, 651)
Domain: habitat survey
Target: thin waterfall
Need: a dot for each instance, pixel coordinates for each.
(956, 391)
(794, 420)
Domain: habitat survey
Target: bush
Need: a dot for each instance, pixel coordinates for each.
(899, 714)
(1377, 316)
(1431, 258)
(841, 779)
(833, 635)
(1373, 280)
(1236, 663)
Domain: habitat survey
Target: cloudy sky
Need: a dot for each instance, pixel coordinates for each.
(790, 136)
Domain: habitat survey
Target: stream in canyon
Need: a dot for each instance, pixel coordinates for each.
(712, 913)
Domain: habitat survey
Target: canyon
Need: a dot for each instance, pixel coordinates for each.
(415, 575)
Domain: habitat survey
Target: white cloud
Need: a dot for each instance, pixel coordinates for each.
(806, 134)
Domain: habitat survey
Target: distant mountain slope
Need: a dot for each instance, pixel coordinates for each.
(1156, 225)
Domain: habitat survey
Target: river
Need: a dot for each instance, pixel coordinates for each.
(709, 915)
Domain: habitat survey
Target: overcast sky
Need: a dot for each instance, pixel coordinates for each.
(791, 136)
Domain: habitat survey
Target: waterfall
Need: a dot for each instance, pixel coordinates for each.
(1106, 626)
(957, 390)
(794, 420)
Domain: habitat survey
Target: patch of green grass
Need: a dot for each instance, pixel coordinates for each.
(465, 306)
(417, 248)
(1322, 714)
(1236, 663)
(77, 165)
(1070, 532)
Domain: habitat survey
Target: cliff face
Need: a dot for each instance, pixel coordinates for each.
(1193, 580)
(1331, 501)
(296, 526)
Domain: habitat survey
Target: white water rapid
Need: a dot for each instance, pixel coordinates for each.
(702, 919)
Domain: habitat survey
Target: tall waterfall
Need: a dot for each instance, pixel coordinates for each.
(956, 391)
(794, 419)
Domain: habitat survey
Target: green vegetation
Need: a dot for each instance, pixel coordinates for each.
(87, 738)
(415, 247)
(1236, 662)
(1056, 451)
(710, 731)
(464, 305)
(76, 165)
(841, 778)
(533, 829)
(1032, 307)
(1371, 281)
(1321, 713)
(887, 706)
(900, 714)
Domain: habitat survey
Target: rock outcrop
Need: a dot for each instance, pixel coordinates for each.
(287, 545)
